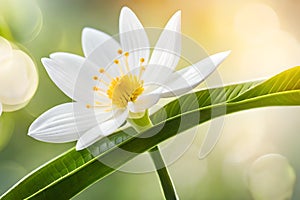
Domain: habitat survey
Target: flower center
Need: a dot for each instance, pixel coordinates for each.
(122, 89)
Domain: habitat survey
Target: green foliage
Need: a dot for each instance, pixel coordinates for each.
(71, 172)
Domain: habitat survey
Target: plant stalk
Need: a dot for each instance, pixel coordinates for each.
(163, 173)
(142, 122)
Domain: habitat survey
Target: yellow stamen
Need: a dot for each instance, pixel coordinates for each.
(121, 89)
(121, 69)
(88, 106)
(99, 104)
(101, 70)
(102, 92)
(124, 89)
(126, 54)
(95, 88)
(108, 110)
(104, 82)
(142, 69)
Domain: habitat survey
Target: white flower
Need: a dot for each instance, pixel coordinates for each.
(18, 78)
(115, 79)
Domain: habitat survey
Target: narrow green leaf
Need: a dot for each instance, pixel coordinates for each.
(71, 172)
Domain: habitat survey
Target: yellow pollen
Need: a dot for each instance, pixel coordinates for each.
(120, 51)
(95, 88)
(101, 70)
(126, 54)
(142, 60)
(116, 61)
(95, 78)
(124, 89)
(88, 106)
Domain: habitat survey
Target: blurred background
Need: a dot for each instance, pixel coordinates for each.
(264, 38)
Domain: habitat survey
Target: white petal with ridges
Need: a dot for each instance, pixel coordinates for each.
(144, 102)
(104, 129)
(73, 75)
(104, 55)
(63, 69)
(155, 76)
(91, 39)
(168, 48)
(65, 123)
(133, 37)
(188, 78)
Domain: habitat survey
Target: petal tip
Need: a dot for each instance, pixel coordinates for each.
(85, 29)
(126, 9)
(85, 32)
(33, 134)
(178, 13)
(79, 146)
(31, 131)
(53, 55)
(30, 134)
(44, 60)
(218, 58)
(174, 22)
(227, 53)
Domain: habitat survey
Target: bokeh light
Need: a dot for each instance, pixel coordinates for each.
(18, 77)
(23, 20)
(268, 172)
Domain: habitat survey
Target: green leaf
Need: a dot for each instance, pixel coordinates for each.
(71, 172)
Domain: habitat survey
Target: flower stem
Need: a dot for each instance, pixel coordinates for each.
(164, 176)
(142, 122)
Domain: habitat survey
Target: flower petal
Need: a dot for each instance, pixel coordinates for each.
(154, 76)
(188, 78)
(102, 130)
(104, 55)
(133, 38)
(144, 102)
(65, 123)
(91, 39)
(73, 75)
(63, 69)
(167, 49)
